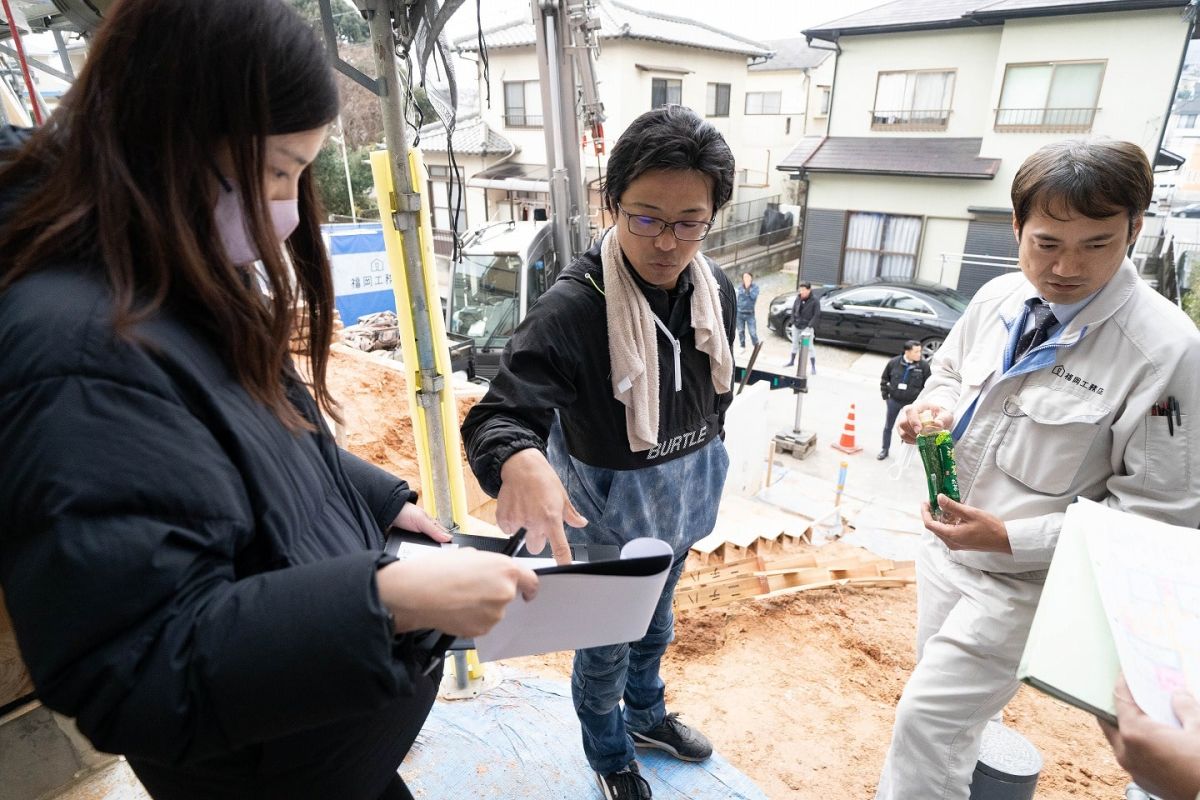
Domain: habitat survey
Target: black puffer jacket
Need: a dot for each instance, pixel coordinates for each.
(558, 359)
(805, 311)
(191, 580)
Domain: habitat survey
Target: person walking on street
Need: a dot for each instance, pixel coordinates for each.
(903, 379)
(804, 316)
(747, 296)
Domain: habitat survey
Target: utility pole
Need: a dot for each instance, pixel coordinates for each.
(566, 37)
(403, 206)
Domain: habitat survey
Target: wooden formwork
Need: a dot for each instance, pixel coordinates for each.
(719, 584)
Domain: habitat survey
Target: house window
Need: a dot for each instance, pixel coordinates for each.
(880, 246)
(824, 96)
(1059, 97)
(1187, 121)
(717, 104)
(522, 104)
(763, 102)
(446, 199)
(917, 100)
(665, 91)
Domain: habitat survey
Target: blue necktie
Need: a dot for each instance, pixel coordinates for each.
(1043, 321)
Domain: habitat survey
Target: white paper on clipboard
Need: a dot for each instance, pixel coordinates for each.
(584, 605)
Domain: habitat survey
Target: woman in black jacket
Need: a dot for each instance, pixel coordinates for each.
(193, 569)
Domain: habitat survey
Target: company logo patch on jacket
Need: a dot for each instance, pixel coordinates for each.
(1082, 383)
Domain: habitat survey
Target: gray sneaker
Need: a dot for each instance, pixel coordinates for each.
(686, 744)
(624, 784)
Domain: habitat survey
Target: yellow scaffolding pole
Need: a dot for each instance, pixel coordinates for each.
(394, 244)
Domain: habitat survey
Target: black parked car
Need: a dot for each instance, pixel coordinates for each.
(879, 315)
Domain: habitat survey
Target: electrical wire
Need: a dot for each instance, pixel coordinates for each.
(483, 56)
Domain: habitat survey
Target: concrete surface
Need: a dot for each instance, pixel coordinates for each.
(882, 498)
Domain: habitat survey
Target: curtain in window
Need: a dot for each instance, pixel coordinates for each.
(880, 245)
(900, 238)
(665, 92)
(931, 95)
(1073, 93)
(1024, 95)
(863, 236)
(717, 104)
(889, 96)
(514, 103)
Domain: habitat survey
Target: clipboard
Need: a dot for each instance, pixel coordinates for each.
(595, 604)
(1070, 654)
(1121, 596)
(582, 552)
(607, 597)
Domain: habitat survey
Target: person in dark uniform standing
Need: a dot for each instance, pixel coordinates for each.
(902, 380)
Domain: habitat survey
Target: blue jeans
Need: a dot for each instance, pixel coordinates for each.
(603, 676)
(745, 322)
(675, 502)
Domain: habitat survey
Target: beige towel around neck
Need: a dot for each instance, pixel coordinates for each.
(633, 340)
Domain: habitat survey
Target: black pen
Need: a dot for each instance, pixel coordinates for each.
(438, 654)
(1170, 421)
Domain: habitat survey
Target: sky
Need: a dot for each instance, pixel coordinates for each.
(756, 19)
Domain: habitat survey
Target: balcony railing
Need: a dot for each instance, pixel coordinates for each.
(522, 120)
(911, 119)
(1045, 120)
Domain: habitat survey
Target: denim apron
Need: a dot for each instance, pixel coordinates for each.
(675, 502)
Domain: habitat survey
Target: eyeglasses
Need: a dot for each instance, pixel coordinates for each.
(684, 230)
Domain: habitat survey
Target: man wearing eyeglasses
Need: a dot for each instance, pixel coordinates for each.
(608, 410)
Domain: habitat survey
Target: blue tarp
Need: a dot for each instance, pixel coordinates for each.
(521, 740)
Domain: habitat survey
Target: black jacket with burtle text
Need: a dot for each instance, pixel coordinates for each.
(558, 360)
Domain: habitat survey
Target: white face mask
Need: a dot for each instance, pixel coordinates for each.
(231, 223)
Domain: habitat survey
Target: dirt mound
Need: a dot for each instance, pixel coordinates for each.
(374, 398)
(798, 691)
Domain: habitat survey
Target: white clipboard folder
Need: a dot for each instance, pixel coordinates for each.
(1122, 595)
(584, 605)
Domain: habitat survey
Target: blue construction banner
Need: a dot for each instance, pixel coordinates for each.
(362, 282)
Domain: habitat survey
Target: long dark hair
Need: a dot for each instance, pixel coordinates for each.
(123, 174)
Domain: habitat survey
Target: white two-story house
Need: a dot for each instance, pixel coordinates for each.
(645, 60)
(936, 105)
(788, 96)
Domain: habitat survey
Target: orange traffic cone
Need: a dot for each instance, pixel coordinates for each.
(846, 443)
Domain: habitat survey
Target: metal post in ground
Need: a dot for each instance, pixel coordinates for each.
(799, 442)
